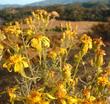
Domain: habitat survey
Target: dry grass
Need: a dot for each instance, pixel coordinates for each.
(83, 26)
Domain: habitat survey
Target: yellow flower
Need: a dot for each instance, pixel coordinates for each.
(2, 36)
(36, 44)
(99, 57)
(108, 71)
(67, 67)
(45, 42)
(86, 92)
(103, 80)
(33, 13)
(86, 101)
(61, 91)
(28, 20)
(29, 32)
(68, 36)
(72, 100)
(17, 48)
(98, 43)
(90, 100)
(87, 43)
(86, 39)
(13, 29)
(12, 94)
(34, 97)
(40, 42)
(44, 102)
(52, 54)
(61, 51)
(67, 72)
(41, 16)
(18, 63)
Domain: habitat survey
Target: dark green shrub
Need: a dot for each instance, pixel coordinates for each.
(58, 29)
(102, 30)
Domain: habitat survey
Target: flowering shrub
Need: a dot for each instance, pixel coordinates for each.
(44, 73)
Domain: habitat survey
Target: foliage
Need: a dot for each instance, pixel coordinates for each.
(44, 73)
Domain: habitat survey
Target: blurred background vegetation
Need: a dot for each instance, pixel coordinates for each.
(88, 11)
(72, 12)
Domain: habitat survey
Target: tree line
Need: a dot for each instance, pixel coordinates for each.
(72, 12)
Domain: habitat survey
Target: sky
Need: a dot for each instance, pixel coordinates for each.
(22, 2)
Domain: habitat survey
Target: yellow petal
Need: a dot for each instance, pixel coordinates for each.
(45, 42)
(72, 100)
(2, 36)
(7, 66)
(18, 67)
(35, 43)
(25, 64)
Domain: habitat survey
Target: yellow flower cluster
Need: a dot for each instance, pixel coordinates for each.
(99, 53)
(103, 80)
(2, 36)
(63, 97)
(99, 57)
(13, 29)
(57, 52)
(61, 51)
(56, 78)
(52, 54)
(61, 91)
(28, 20)
(98, 43)
(41, 16)
(68, 36)
(29, 32)
(40, 42)
(35, 97)
(87, 43)
(12, 94)
(88, 98)
(67, 72)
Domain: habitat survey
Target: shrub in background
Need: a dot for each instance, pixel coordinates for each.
(102, 30)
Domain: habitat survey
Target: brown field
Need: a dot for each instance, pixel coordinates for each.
(83, 26)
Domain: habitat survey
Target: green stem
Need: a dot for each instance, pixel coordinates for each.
(28, 59)
(60, 63)
(76, 69)
(40, 58)
(67, 54)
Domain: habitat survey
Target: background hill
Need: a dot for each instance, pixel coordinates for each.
(82, 10)
(54, 2)
(7, 6)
